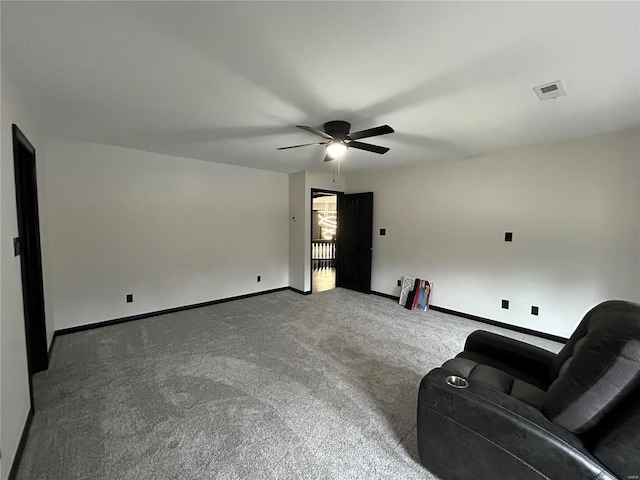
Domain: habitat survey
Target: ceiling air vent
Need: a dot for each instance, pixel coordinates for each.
(550, 90)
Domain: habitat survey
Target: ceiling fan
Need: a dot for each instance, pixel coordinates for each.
(338, 139)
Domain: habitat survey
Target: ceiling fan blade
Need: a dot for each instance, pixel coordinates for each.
(368, 147)
(371, 132)
(317, 132)
(303, 145)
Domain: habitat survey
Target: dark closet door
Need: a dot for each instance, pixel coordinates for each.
(354, 241)
(28, 247)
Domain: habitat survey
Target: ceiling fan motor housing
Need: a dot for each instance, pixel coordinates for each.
(338, 129)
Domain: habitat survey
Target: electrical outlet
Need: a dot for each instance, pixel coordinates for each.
(534, 310)
(508, 236)
(505, 304)
(258, 279)
(399, 283)
(383, 231)
(130, 298)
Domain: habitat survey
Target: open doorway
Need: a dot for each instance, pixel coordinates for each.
(324, 224)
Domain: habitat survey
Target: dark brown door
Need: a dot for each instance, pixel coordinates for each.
(354, 241)
(28, 247)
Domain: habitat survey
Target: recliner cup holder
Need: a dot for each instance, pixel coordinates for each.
(457, 382)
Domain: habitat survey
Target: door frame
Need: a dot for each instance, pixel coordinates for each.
(310, 246)
(28, 247)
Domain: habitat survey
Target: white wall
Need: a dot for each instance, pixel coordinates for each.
(300, 185)
(14, 383)
(573, 208)
(171, 231)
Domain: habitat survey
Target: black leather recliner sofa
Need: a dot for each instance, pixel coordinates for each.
(526, 413)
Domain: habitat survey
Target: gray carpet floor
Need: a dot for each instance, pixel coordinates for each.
(281, 386)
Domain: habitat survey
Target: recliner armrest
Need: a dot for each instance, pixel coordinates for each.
(528, 358)
(479, 432)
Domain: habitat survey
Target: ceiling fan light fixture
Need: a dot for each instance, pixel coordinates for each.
(336, 149)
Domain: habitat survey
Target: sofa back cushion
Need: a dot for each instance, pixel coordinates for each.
(616, 440)
(598, 367)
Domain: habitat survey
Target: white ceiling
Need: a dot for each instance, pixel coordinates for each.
(228, 81)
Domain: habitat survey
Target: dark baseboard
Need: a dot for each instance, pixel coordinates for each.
(386, 295)
(115, 321)
(300, 291)
(488, 321)
(23, 441)
(53, 342)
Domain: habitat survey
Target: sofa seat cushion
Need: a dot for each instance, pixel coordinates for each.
(500, 380)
